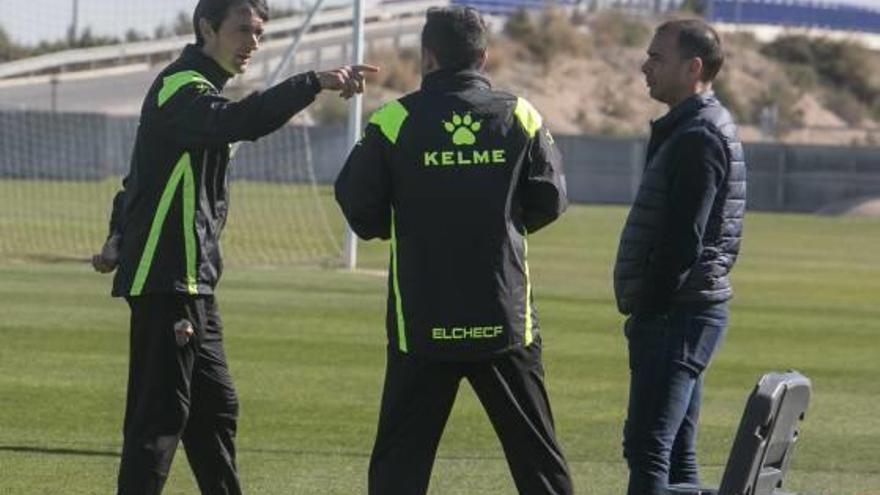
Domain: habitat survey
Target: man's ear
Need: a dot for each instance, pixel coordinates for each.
(482, 60)
(206, 30)
(429, 61)
(695, 68)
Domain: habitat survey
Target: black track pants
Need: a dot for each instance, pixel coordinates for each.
(416, 402)
(178, 393)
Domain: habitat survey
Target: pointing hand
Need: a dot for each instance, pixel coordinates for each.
(348, 79)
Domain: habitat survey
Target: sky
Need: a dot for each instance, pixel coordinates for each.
(30, 21)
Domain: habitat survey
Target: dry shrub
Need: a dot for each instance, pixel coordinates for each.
(502, 53)
(846, 106)
(615, 104)
(783, 98)
(401, 72)
(330, 111)
(547, 35)
(847, 66)
(615, 29)
(729, 98)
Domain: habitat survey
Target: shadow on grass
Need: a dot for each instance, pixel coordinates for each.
(87, 452)
(27, 449)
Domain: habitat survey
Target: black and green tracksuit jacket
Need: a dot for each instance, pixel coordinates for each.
(173, 206)
(455, 175)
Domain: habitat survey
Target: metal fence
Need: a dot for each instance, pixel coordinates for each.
(782, 177)
(798, 178)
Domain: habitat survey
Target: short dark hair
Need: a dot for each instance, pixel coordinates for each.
(457, 36)
(696, 38)
(216, 11)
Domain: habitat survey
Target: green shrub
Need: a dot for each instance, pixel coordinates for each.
(846, 66)
(874, 109)
(802, 76)
(9, 50)
(519, 27)
(791, 49)
(697, 7)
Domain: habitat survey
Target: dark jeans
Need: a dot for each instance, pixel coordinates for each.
(416, 402)
(668, 354)
(178, 393)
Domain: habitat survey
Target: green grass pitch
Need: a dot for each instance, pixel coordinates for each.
(306, 347)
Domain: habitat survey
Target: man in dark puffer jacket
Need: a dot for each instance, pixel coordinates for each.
(680, 241)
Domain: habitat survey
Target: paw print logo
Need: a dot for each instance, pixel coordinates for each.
(462, 129)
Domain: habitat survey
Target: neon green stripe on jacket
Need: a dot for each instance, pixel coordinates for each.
(390, 119)
(182, 171)
(398, 300)
(528, 117)
(172, 84)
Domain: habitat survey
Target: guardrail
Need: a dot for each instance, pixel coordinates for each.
(119, 89)
(330, 47)
(148, 51)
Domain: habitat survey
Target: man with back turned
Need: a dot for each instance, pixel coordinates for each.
(457, 175)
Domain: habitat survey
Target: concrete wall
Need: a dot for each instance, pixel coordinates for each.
(599, 170)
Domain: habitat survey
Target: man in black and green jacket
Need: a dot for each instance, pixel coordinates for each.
(164, 244)
(456, 175)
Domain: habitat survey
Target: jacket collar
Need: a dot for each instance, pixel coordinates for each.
(446, 80)
(684, 110)
(194, 57)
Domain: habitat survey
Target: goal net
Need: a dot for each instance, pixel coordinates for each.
(71, 87)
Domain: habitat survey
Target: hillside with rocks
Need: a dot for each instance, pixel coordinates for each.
(583, 74)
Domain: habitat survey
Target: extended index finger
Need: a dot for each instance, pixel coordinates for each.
(365, 68)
